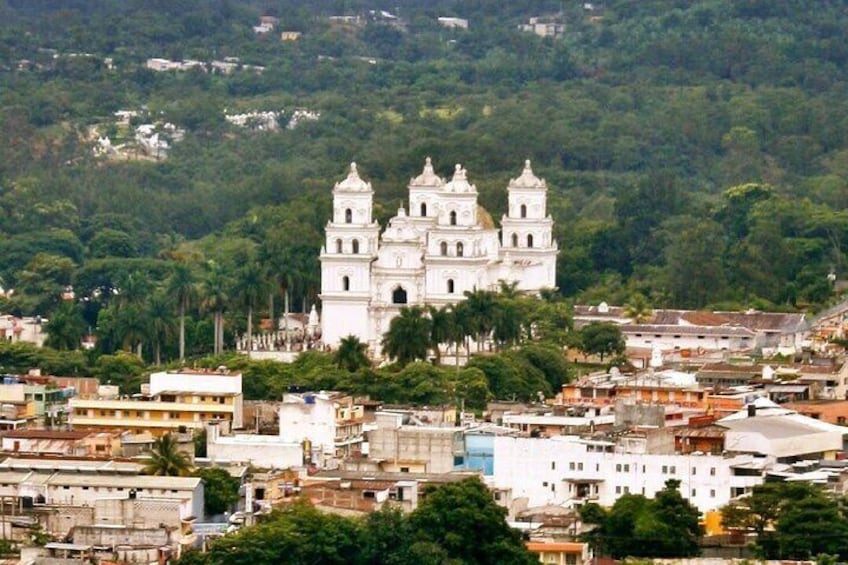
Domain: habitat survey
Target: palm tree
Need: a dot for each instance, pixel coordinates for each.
(215, 298)
(183, 289)
(638, 308)
(166, 459)
(66, 327)
(440, 329)
(132, 326)
(408, 337)
(251, 287)
(130, 317)
(480, 305)
(161, 320)
(507, 320)
(351, 354)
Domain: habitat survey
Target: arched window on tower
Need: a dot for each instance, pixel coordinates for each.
(529, 240)
(523, 211)
(423, 209)
(348, 216)
(443, 248)
(345, 283)
(459, 249)
(450, 286)
(453, 217)
(355, 245)
(515, 240)
(399, 296)
(338, 246)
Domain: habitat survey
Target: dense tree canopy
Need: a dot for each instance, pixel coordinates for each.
(438, 531)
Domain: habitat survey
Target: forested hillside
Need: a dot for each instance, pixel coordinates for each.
(697, 151)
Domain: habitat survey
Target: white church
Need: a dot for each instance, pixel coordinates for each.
(445, 245)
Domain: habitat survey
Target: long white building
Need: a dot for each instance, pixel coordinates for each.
(569, 470)
(444, 245)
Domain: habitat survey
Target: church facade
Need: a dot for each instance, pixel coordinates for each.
(444, 245)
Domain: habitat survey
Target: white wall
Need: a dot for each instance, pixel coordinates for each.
(195, 382)
(315, 422)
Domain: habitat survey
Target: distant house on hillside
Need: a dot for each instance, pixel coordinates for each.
(544, 26)
(454, 23)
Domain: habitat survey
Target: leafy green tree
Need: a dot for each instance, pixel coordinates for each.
(351, 354)
(166, 458)
(602, 339)
(220, 490)
(408, 337)
(667, 526)
(66, 327)
(454, 513)
(792, 520)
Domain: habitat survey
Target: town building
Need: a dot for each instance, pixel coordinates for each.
(318, 429)
(61, 442)
(446, 244)
(29, 329)
(453, 23)
(173, 401)
(544, 26)
(692, 333)
(400, 443)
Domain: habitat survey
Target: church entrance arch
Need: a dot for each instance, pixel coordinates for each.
(399, 295)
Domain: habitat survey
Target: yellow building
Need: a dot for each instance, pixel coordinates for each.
(157, 415)
(174, 401)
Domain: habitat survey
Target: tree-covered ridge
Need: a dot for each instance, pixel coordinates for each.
(696, 151)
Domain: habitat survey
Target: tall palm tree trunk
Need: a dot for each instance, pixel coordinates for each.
(182, 332)
(249, 330)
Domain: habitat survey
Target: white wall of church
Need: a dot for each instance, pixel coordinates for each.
(341, 319)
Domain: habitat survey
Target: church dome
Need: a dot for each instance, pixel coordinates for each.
(527, 179)
(428, 176)
(459, 182)
(353, 183)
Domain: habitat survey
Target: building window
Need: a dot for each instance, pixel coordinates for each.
(529, 240)
(345, 283)
(399, 296)
(338, 246)
(618, 467)
(617, 490)
(423, 209)
(450, 286)
(443, 248)
(665, 469)
(712, 471)
(627, 467)
(553, 465)
(673, 470)
(355, 246)
(693, 493)
(694, 471)
(712, 493)
(515, 240)
(571, 466)
(580, 466)
(348, 216)
(453, 217)
(523, 211)
(459, 249)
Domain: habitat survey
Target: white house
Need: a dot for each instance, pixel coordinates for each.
(445, 245)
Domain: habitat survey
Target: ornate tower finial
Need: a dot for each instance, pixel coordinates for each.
(527, 168)
(353, 168)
